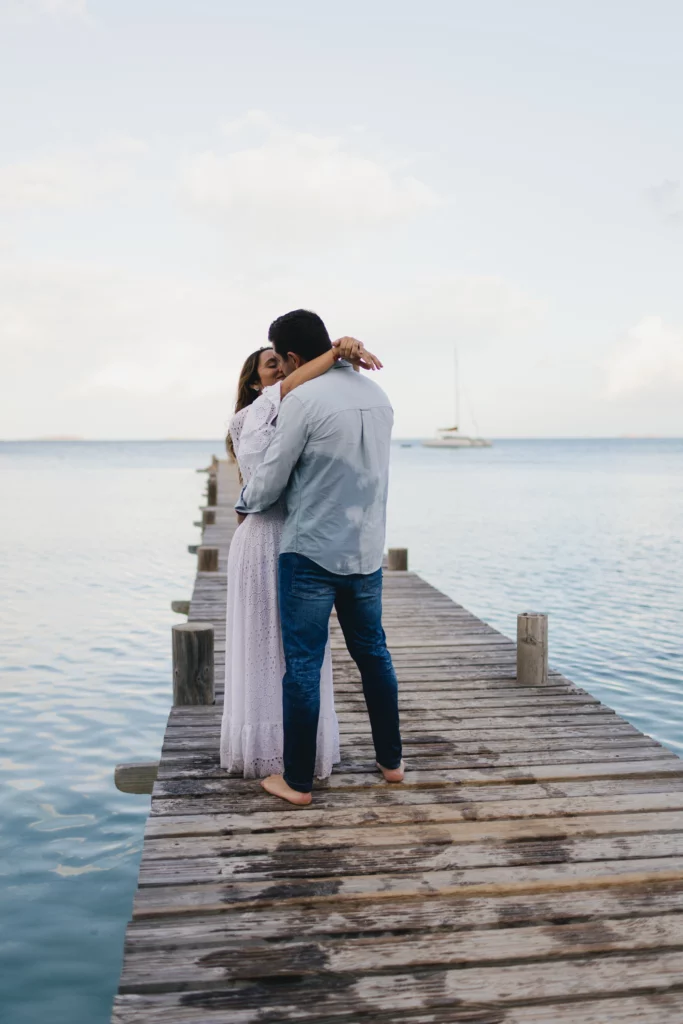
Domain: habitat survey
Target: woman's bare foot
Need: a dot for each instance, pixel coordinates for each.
(393, 774)
(276, 785)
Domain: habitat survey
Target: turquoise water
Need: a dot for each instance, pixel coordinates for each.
(94, 548)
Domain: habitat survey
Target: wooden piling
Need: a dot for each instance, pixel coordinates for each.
(212, 490)
(211, 468)
(193, 676)
(207, 559)
(532, 649)
(209, 515)
(397, 559)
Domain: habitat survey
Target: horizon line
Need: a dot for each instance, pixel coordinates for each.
(413, 438)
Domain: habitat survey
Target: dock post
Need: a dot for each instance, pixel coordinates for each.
(209, 515)
(397, 560)
(193, 663)
(212, 490)
(532, 648)
(207, 559)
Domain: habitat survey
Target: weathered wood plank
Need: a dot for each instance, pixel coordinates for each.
(360, 817)
(255, 802)
(172, 898)
(442, 777)
(316, 999)
(204, 968)
(424, 834)
(311, 862)
(366, 918)
(183, 753)
(441, 759)
(649, 1009)
(136, 776)
(422, 700)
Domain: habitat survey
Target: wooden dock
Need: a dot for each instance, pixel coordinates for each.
(528, 871)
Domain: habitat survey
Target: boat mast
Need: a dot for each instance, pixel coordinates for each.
(457, 387)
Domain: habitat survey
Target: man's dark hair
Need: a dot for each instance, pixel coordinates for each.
(301, 332)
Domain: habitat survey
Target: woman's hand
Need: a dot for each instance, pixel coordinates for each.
(354, 351)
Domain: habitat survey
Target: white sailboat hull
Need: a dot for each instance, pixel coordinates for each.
(457, 442)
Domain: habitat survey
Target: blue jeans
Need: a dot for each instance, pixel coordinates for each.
(307, 595)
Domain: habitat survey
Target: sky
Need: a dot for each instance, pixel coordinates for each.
(504, 178)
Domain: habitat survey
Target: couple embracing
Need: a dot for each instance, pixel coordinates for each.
(312, 441)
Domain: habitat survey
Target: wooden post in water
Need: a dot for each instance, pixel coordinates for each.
(532, 649)
(207, 559)
(212, 490)
(209, 515)
(397, 560)
(193, 663)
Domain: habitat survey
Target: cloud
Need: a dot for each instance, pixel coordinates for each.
(94, 351)
(473, 307)
(666, 200)
(167, 368)
(271, 182)
(30, 10)
(64, 8)
(121, 145)
(72, 177)
(649, 359)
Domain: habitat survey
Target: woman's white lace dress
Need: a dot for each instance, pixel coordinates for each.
(251, 730)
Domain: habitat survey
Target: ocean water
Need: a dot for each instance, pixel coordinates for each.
(93, 549)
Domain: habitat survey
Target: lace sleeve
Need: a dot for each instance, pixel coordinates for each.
(259, 424)
(235, 429)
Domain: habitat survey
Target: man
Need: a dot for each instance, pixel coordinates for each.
(330, 459)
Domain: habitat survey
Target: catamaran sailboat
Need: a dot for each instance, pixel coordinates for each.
(450, 437)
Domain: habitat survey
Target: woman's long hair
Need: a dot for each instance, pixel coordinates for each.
(245, 389)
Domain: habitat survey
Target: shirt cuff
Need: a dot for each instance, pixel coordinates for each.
(241, 506)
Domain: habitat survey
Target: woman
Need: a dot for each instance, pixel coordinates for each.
(261, 369)
(251, 730)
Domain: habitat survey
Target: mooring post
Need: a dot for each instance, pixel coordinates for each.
(207, 559)
(212, 490)
(193, 663)
(397, 559)
(532, 648)
(212, 468)
(209, 515)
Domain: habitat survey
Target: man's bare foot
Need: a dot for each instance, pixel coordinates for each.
(276, 785)
(393, 774)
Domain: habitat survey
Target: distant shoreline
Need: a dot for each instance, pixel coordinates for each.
(395, 440)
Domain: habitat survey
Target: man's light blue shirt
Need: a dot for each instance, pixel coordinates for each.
(329, 457)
